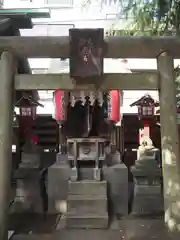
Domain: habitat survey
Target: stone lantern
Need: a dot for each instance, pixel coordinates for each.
(146, 171)
(146, 110)
(27, 106)
(28, 174)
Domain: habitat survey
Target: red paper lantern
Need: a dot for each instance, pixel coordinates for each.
(59, 103)
(114, 113)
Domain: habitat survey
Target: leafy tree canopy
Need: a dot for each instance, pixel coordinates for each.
(148, 17)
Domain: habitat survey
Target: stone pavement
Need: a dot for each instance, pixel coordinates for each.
(129, 229)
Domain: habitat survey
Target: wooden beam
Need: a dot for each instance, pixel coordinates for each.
(118, 47)
(128, 81)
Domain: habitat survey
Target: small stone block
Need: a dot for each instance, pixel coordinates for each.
(74, 174)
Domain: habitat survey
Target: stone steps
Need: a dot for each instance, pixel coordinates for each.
(87, 204)
(94, 221)
(84, 204)
(88, 187)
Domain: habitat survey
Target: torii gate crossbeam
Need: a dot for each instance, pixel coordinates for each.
(117, 47)
(126, 81)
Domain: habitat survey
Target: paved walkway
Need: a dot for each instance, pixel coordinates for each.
(129, 229)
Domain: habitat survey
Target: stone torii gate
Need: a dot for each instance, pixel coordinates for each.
(162, 48)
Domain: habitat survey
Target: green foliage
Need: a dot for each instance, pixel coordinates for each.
(154, 17)
(87, 3)
(148, 17)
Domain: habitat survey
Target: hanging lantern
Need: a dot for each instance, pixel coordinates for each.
(60, 102)
(114, 106)
(146, 110)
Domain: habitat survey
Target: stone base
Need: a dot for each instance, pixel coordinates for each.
(148, 200)
(28, 192)
(117, 182)
(58, 177)
(30, 160)
(117, 179)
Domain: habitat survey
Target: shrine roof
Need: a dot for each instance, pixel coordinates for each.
(11, 21)
(146, 100)
(30, 12)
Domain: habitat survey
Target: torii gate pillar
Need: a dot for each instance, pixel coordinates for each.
(169, 141)
(7, 68)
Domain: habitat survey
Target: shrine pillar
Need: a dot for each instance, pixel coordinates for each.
(7, 68)
(169, 140)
